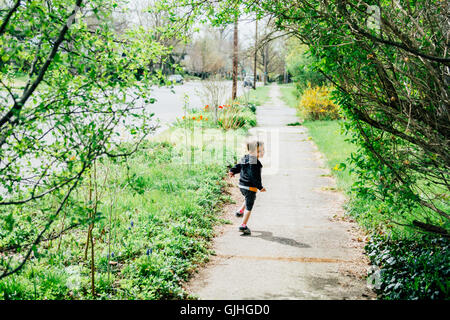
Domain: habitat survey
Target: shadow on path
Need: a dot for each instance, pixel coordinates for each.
(266, 235)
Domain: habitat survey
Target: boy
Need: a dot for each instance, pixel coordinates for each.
(249, 169)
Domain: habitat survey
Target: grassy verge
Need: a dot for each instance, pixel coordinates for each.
(154, 219)
(256, 97)
(331, 142)
(153, 228)
(288, 95)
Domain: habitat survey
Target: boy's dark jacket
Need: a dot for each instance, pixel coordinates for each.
(249, 168)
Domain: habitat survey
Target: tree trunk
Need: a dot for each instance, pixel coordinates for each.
(431, 228)
(235, 59)
(256, 52)
(266, 58)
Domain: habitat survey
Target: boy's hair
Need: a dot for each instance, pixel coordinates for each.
(253, 146)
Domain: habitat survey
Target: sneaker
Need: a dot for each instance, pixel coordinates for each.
(245, 230)
(239, 214)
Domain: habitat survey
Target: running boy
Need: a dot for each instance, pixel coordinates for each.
(249, 169)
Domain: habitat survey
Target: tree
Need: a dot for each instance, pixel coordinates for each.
(255, 54)
(235, 59)
(152, 17)
(391, 82)
(271, 61)
(207, 54)
(300, 64)
(268, 52)
(80, 93)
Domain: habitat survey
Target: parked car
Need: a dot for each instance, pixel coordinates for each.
(248, 81)
(175, 78)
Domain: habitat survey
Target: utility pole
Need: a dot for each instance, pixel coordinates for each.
(235, 59)
(256, 52)
(265, 62)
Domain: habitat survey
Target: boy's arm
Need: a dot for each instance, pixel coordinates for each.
(235, 169)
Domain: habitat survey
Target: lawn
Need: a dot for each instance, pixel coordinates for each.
(331, 141)
(258, 97)
(288, 95)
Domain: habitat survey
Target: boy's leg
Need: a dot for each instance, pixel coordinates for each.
(243, 227)
(249, 201)
(247, 214)
(248, 204)
(240, 212)
(242, 208)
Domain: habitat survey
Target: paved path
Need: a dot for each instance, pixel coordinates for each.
(296, 250)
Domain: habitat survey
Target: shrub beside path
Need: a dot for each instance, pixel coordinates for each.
(301, 246)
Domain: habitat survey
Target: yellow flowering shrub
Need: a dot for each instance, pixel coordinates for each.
(316, 104)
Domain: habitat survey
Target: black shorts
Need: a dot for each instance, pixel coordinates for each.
(250, 197)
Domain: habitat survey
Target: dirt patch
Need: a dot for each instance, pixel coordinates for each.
(357, 269)
(228, 209)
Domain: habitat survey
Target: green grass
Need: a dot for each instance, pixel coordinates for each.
(288, 95)
(258, 97)
(331, 142)
(155, 220)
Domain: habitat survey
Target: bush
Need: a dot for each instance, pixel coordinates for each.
(299, 65)
(411, 269)
(316, 104)
(235, 116)
(229, 116)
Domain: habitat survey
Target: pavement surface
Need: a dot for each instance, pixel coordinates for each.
(301, 246)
